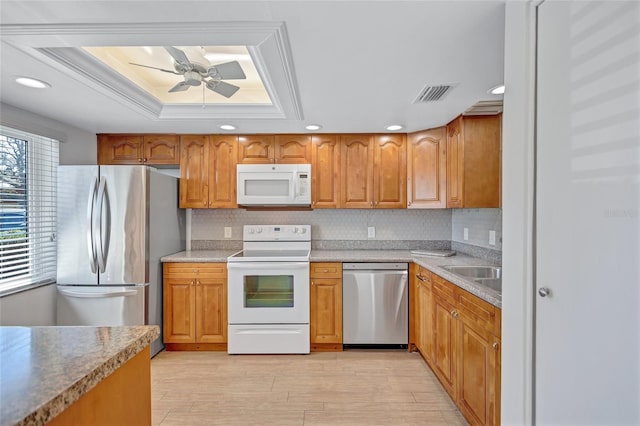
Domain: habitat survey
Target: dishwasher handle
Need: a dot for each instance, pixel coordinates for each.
(375, 266)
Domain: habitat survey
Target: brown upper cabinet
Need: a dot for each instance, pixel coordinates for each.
(325, 171)
(390, 172)
(208, 171)
(356, 165)
(473, 161)
(374, 171)
(427, 169)
(138, 149)
(267, 149)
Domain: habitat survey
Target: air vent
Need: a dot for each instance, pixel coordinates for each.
(433, 93)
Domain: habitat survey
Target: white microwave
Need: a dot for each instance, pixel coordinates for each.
(274, 184)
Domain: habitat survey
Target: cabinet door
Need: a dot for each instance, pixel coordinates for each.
(326, 310)
(444, 328)
(223, 152)
(211, 310)
(390, 172)
(476, 372)
(455, 164)
(256, 149)
(179, 317)
(427, 169)
(292, 149)
(194, 171)
(325, 171)
(161, 149)
(356, 171)
(120, 149)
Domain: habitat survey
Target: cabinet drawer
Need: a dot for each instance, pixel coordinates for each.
(443, 288)
(476, 310)
(209, 270)
(325, 270)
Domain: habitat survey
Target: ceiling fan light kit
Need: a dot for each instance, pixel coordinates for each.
(195, 74)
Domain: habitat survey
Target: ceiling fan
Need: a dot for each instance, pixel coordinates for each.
(196, 74)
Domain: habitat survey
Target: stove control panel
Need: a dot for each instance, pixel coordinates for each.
(276, 233)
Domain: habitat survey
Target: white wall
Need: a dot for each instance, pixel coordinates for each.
(517, 210)
(77, 146)
(37, 306)
(29, 308)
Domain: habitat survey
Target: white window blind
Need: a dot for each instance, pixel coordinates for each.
(28, 175)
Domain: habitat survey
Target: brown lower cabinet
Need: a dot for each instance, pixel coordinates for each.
(325, 306)
(458, 335)
(195, 306)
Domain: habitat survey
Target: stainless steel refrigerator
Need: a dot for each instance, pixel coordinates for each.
(114, 225)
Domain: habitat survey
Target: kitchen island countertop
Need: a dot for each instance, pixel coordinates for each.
(44, 370)
(432, 263)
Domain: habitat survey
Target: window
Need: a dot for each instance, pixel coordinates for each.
(28, 172)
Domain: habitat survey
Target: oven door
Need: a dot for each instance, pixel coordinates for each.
(268, 292)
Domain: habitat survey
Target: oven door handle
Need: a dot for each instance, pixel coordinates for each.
(267, 266)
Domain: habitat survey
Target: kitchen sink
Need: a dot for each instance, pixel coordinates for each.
(492, 283)
(474, 272)
(490, 276)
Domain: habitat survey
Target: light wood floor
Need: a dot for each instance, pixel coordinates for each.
(358, 387)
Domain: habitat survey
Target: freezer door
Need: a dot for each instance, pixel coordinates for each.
(101, 306)
(77, 190)
(122, 241)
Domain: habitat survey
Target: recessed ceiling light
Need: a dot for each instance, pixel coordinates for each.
(393, 127)
(313, 127)
(227, 127)
(32, 82)
(498, 90)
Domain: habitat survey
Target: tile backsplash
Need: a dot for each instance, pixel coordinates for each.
(329, 224)
(347, 228)
(479, 222)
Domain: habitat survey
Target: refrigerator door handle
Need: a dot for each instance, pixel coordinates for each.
(104, 224)
(91, 205)
(79, 294)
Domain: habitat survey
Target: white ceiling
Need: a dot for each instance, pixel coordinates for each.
(351, 66)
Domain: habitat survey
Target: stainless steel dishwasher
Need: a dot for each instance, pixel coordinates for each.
(375, 304)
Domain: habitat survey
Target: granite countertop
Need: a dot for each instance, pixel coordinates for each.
(431, 263)
(199, 256)
(43, 370)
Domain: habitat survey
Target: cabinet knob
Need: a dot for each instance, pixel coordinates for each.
(544, 292)
(139, 160)
(144, 160)
(496, 346)
(454, 314)
(409, 203)
(312, 283)
(325, 270)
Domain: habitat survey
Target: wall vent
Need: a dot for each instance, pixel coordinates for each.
(433, 93)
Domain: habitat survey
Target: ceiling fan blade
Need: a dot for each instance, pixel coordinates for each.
(230, 71)
(179, 56)
(154, 68)
(180, 87)
(225, 89)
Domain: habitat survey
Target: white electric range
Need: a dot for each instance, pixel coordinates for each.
(268, 291)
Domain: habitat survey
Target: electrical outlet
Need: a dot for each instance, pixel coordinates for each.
(492, 238)
(371, 232)
(227, 232)
(466, 234)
